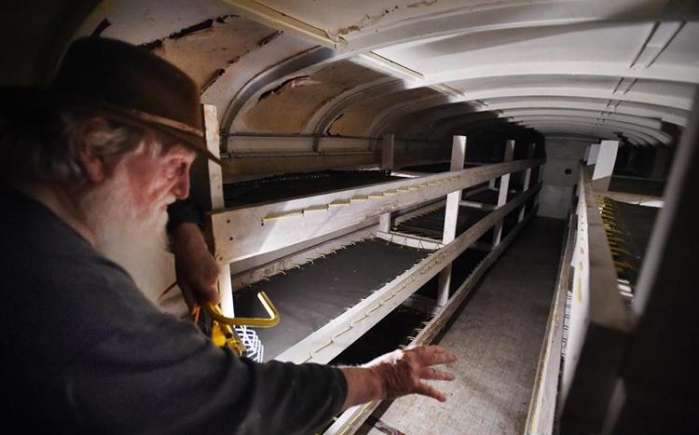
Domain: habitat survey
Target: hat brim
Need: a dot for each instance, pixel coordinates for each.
(26, 104)
(190, 138)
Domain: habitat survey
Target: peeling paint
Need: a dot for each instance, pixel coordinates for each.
(329, 129)
(237, 58)
(206, 24)
(293, 82)
(366, 21)
(198, 27)
(101, 27)
(204, 50)
(422, 3)
(216, 74)
(269, 38)
(346, 30)
(290, 111)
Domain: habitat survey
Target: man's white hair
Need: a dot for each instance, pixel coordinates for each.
(48, 150)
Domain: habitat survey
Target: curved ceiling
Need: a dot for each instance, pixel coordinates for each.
(426, 69)
(595, 68)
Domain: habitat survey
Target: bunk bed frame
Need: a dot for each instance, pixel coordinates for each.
(258, 241)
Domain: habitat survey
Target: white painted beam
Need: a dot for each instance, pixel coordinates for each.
(601, 115)
(503, 190)
(213, 175)
(410, 240)
(656, 133)
(592, 154)
(526, 180)
(248, 231)
(387, 162)
(439, 21)
(387, 151)
(642, 111)
(431, 116)
(604, 167)
(387, 115)
(665, 72)
(598, 131)
(451, 216)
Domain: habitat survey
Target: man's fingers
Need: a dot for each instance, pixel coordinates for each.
(429, 391)
(434, 374)
(432, 355)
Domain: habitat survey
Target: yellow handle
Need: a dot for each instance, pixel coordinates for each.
(215, 312)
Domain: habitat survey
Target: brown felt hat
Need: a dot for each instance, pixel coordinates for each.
(131, 85)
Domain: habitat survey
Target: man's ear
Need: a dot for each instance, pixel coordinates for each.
(92, 163)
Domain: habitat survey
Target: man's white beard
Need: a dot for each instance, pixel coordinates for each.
(130, 237)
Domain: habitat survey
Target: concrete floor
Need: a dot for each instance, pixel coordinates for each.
(497, 337)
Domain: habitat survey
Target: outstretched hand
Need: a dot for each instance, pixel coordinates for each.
(403, 371)
(398, 373)
(197, 270)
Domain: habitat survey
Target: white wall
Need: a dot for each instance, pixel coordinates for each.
(557, 192)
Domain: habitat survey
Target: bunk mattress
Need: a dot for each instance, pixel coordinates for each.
(312, 295)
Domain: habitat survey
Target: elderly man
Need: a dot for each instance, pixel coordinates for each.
(90, 167)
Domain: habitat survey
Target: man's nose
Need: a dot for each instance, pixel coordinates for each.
(181, 187)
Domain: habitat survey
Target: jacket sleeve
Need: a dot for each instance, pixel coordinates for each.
(184, 384)
(184, 211)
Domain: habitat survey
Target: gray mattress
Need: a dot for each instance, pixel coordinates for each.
(310, 296)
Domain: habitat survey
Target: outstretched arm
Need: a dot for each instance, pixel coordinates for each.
(396, 374)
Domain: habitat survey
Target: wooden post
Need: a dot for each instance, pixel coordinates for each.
(591, 154)
(387, 163)
(387, 151)
(526, 181)
(604, 166)
(385, 222)
(451, 215)
(207, 191)
(504, 188)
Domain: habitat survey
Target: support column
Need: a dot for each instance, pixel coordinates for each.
(604, 167)
(539, 180)
(387, 151)
(591, 155)
(661, 162)
(451, 215)
(385, 222)
(526, 182)
(207, 191)
(387, 163)
(504, 188)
